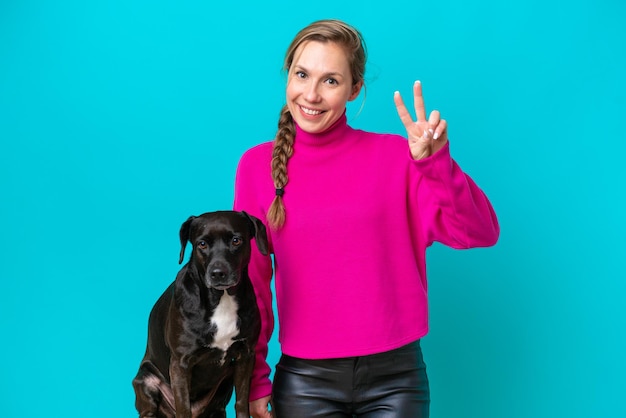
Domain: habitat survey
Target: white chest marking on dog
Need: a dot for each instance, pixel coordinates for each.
(225, 320)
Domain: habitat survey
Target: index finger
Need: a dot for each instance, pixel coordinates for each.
(418, 101)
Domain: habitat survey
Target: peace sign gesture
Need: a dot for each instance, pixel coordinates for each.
(426, 137)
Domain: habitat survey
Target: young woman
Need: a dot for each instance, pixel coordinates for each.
(350, 215)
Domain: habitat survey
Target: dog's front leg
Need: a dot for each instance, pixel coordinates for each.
(180, 379)
(243, 372)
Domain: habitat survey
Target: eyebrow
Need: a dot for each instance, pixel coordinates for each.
(332, 74)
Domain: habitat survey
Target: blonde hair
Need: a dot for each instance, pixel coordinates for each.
(328, 30)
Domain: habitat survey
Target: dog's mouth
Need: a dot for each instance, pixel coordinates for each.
(223, 286)
(222, 283)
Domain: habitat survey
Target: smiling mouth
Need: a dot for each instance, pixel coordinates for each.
(310, 112)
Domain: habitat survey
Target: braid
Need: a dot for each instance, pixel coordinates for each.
(283, 150)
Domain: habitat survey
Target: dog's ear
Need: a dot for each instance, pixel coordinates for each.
(260, 233)
(184, 237)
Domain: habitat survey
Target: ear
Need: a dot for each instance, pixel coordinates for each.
(184, 237)
(260, 233)
(356, 89)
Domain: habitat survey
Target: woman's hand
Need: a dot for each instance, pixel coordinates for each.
(426, 137)
(259, 408)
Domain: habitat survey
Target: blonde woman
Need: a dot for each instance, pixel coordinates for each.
(350, 214)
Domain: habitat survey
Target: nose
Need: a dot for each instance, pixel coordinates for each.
(217, 274)
(312, 94)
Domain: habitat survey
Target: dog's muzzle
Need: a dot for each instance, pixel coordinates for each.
(220, 277)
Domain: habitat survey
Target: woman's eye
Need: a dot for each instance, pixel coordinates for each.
(300, 74)
(331, 81)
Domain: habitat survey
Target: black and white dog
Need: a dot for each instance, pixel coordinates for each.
(203, 329)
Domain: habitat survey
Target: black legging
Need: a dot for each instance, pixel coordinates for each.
(393, 384)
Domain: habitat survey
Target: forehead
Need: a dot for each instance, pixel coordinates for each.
(327, 57)
(219, 224)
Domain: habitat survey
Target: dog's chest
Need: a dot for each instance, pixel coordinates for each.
(224, 322)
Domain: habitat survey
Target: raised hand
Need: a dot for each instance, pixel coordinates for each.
(426, 137)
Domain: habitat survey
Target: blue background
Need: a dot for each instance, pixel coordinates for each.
(119, 119)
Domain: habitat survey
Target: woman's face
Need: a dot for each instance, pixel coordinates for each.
(319, 85)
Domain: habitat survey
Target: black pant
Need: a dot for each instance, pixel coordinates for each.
(393, 384)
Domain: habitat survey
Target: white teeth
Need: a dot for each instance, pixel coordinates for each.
(310, 111)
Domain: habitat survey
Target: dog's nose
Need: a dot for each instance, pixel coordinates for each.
(218, 274)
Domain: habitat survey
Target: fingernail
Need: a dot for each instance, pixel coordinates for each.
(436, 135)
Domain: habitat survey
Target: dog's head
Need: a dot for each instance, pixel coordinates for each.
(221, 245)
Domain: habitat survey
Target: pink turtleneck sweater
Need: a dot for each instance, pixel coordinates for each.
(350, 260)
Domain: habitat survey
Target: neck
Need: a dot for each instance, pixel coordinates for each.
(336, 131)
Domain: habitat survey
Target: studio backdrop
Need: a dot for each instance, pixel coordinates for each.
(119, 119)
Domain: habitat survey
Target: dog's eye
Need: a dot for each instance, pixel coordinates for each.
(202, 245)
(237, 241)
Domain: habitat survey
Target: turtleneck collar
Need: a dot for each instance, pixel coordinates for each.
(336, 131)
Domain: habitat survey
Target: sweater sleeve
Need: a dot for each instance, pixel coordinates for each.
(454, 210)
(260, 272)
